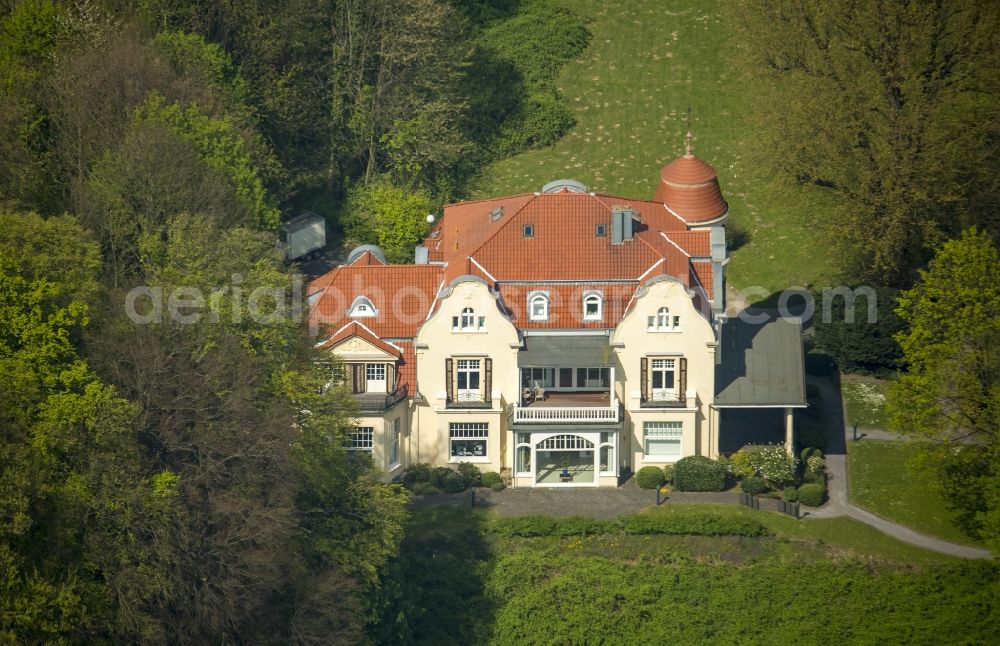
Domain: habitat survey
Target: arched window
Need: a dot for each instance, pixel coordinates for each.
(592, 306)
(538, 306)
(468, 319)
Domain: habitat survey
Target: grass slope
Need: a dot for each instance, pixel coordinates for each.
(629, 92)
(813, 582)
(883, 483)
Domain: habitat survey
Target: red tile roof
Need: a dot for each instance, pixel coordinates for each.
(694, 243)
(401, 294)
(689, 187)
(359, 330)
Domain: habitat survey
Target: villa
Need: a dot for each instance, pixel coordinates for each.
(569, 336)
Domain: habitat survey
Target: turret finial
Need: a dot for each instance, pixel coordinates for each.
(688, 148)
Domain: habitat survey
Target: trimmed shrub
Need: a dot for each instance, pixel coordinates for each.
(791, 494)
(812, 495)
(454, 482)
(810, 451)
(753, 485)
(425, 489)
(498, 485)
(649, 477)
(471, 473)
(743, 463)
(416, 472)
(698, 473)
(694, 525)
(438, 475)
(490, 478)
(773, 495)
(668, 473)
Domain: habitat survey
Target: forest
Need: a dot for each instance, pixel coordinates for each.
(188, 483)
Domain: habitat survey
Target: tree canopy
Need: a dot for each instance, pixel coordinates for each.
(950, 393)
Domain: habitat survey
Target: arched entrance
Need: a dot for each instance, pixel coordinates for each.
(565, 460)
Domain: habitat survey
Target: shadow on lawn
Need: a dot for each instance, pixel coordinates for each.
(435, 590)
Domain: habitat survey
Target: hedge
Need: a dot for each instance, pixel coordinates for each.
(649, 477)
(639, 524)
(698, 473)
(753, 485)
(695, 525)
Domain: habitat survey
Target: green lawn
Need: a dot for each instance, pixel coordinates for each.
(864, 401)
(883, 482)
(630, 90)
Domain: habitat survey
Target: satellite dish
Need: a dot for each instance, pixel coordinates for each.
(430, 218)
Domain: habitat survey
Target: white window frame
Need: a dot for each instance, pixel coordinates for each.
(668, 366)
(541, 298)
(361, 438)
(376, 385)
(593, 298)
(468, 368)
(362, 307)
(662, 321)
(609, 441)
(470, 435)
(663, 433)
(393, 449)
(522, 442)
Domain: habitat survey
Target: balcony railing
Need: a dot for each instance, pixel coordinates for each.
(567, 414)
(373, 402)
(663, 400)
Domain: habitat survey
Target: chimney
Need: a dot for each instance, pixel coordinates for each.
(621, 224)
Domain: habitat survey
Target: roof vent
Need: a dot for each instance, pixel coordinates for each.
(570, 185)
(496, 214)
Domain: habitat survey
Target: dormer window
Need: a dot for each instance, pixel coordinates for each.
(468, 321)
(663, 321)
(592, 306)
(362, 307)
(538, 306)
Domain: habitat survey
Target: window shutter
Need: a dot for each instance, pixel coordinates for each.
(488, 381)
(644, 376)
(449, 378)
(357, 378)
(684, 380)
(390, 378)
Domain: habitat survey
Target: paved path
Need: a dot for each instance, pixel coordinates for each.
(839, 504)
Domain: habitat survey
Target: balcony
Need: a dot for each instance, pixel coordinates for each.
(663, 400)
(378, 402)
(569, 408)
(469, 400)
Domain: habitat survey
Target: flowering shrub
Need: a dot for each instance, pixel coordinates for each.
(776, 465)
(815, 465)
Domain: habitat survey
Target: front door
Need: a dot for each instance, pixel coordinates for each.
(375, 378)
